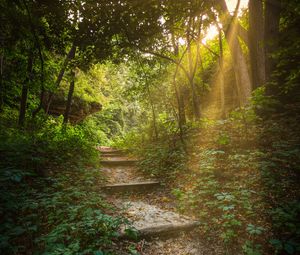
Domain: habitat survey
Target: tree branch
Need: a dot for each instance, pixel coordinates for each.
(167, 58)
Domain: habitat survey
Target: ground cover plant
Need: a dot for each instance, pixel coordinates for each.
(204, 94)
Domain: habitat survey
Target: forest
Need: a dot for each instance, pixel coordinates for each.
(149, 127)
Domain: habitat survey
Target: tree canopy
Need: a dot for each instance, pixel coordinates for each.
(205, 94)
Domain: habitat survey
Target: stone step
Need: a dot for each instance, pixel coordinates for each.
(103, 152)
(150, 221)
(108, 150)
(112, 154)
(119, 162)
(162, 231)
(130, 187)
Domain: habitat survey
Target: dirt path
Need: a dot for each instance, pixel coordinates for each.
(150, 208)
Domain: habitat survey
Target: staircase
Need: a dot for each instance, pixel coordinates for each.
(149, 220)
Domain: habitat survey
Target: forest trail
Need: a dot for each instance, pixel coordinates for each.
(146, 204)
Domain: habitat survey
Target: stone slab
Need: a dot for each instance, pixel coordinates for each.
(130, 187)
(105, 149)
(151, 221)
(118, 162)
(123, 174)
(112, 154)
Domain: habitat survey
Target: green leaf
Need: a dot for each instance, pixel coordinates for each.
(17, 231)
(289, 248)
(276, 243)
(131, 233)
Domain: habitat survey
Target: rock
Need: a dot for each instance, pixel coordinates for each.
(80, 108)
(151, 221)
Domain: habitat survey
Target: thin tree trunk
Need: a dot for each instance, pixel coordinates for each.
(23, 102)
(42, 96)
(221, 76)
(1, 83)
(196, 104)
(195, 99)
(256, 48)
(69, 57)
(181, 106)
(179, 92)
(71, 88)
(70, 96)
(153, 112)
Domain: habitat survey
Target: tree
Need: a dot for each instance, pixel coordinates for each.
(100, 30)
(271, 34)
(256, 43)
(71, 89)
(25, 86)
(230, 29)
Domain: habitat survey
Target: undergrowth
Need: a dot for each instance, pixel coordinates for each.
(50, 199)
(239, 177)
(243, 184)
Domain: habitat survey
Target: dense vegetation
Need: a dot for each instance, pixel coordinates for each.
(204, 94)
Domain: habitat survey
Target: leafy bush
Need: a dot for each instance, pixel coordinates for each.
(50, 201)
(245, 189)
(46, 143)
(62, 214)
(160, 160)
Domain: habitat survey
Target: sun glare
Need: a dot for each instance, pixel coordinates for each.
(212, 30)
(211, 33)
(231, 4)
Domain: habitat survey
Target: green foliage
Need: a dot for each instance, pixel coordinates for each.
(132, 250)
(244, 189)
(244, 185)
(130, 140)
(162, 161)
(62, 214)
(132, 233)
(97, 132)
(223, 139)
(254, 230)
(284, 85)
(289, 246)
(262, 103)
(49, 143)
(50, 202)
(252, 249)
(286, 218)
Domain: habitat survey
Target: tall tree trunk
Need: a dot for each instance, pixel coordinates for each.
(69, 57)
(195, 99)
(23, 102)
(179, 92)
(1, 82)
(256, 39)
(38, 46)
(272, 17)
(196, 104)
(221, 76)
(153, 112)
(42, 96)
(242, 76)
(181, 106)
(70, 96)
(71, 88)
